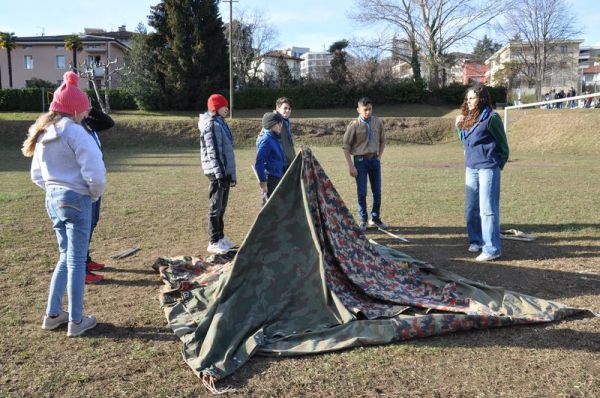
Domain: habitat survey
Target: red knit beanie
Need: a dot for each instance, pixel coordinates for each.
(69, 98)
(216, 102)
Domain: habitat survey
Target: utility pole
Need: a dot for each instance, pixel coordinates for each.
(230, 55)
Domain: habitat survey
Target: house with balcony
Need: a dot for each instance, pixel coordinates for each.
(563, 56)
(46, 58)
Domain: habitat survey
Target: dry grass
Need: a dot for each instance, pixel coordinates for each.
(157, 199)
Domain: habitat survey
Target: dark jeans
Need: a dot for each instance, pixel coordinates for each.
(272, 183)
(371, 168)
(95, 218)
(218, 194)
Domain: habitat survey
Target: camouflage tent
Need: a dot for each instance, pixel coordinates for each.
(306, 280)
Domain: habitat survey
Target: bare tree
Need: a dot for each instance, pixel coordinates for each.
(431, 26)
(253, 37)
(540, 30)
(398, 17)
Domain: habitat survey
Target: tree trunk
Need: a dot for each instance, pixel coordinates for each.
(74, 60)
(414, 62)
(9, 56)
(434, 78)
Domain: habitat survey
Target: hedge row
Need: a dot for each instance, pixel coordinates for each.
(327, 95)
(307, 96)
(28, 99)
(455, 93)
(32, 99)
(119, 99)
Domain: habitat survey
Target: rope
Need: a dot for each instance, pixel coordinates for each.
(208, 382)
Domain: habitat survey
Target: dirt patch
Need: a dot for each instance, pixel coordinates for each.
(159, 132)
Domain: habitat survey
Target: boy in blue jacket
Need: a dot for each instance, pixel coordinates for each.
(270, 157)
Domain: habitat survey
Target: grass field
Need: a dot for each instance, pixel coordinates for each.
(156, 198)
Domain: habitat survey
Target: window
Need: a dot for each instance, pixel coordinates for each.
(59, 47)
(93, 60)
(26, 47)
(60, 62)
(28, 62)
(563, 49)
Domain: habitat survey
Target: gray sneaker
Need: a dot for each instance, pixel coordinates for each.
(474, 248)
(51, 323)
(376, 222)
(77, 329)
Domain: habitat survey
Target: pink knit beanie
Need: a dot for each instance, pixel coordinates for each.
(69, 98)
(216, 102)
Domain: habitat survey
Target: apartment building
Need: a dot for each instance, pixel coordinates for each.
(315, 65)
(45, 57)
(563, 71)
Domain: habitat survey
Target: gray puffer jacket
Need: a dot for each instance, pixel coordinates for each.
(216, 147)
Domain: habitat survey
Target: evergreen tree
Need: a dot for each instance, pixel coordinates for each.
(143, 81)
(191, 50)
(485, 48)
(339, 71)
(284, 75)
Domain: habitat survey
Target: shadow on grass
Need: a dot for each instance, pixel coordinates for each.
(446, 247)
(536, 336)
(138, 333)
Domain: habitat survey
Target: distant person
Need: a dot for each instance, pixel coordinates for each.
(271, 160)
(67, 164)
(283, 107)
(486, 152)
(363, 144)
(95, 122)
(218, 164)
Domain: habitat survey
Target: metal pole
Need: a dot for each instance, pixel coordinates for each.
(231, 59)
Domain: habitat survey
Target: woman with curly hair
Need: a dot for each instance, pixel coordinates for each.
(486, 152)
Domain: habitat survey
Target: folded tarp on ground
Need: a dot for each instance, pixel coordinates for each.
(306, 280)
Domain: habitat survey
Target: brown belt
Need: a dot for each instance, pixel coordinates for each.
(368, 155)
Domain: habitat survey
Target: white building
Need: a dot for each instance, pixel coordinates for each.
(563, 65)
(315, 65)
(267, 69)
(297, 52)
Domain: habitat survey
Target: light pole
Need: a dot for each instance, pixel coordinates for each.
(230, 55)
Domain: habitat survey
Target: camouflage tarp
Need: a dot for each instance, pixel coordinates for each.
(306, 280)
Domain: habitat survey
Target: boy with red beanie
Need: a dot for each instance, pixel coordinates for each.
(218, 164)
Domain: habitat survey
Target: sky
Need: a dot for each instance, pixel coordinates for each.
(303, 23)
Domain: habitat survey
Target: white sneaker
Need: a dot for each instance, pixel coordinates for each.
(474, 248)
(227, 242)
(77, 329)
(487, 257)
(218, 248)
(52, 323)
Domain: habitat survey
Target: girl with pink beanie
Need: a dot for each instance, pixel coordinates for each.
(67, 164)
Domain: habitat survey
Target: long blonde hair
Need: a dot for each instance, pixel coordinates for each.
(41, 124)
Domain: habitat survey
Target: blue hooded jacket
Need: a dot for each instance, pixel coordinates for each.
(270, 158)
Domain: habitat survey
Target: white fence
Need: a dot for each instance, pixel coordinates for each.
(544, 103)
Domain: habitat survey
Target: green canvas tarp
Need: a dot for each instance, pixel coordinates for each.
(306, 280)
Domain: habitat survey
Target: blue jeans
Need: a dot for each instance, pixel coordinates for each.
(370, 168)
(70, 213)
(482, 209)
